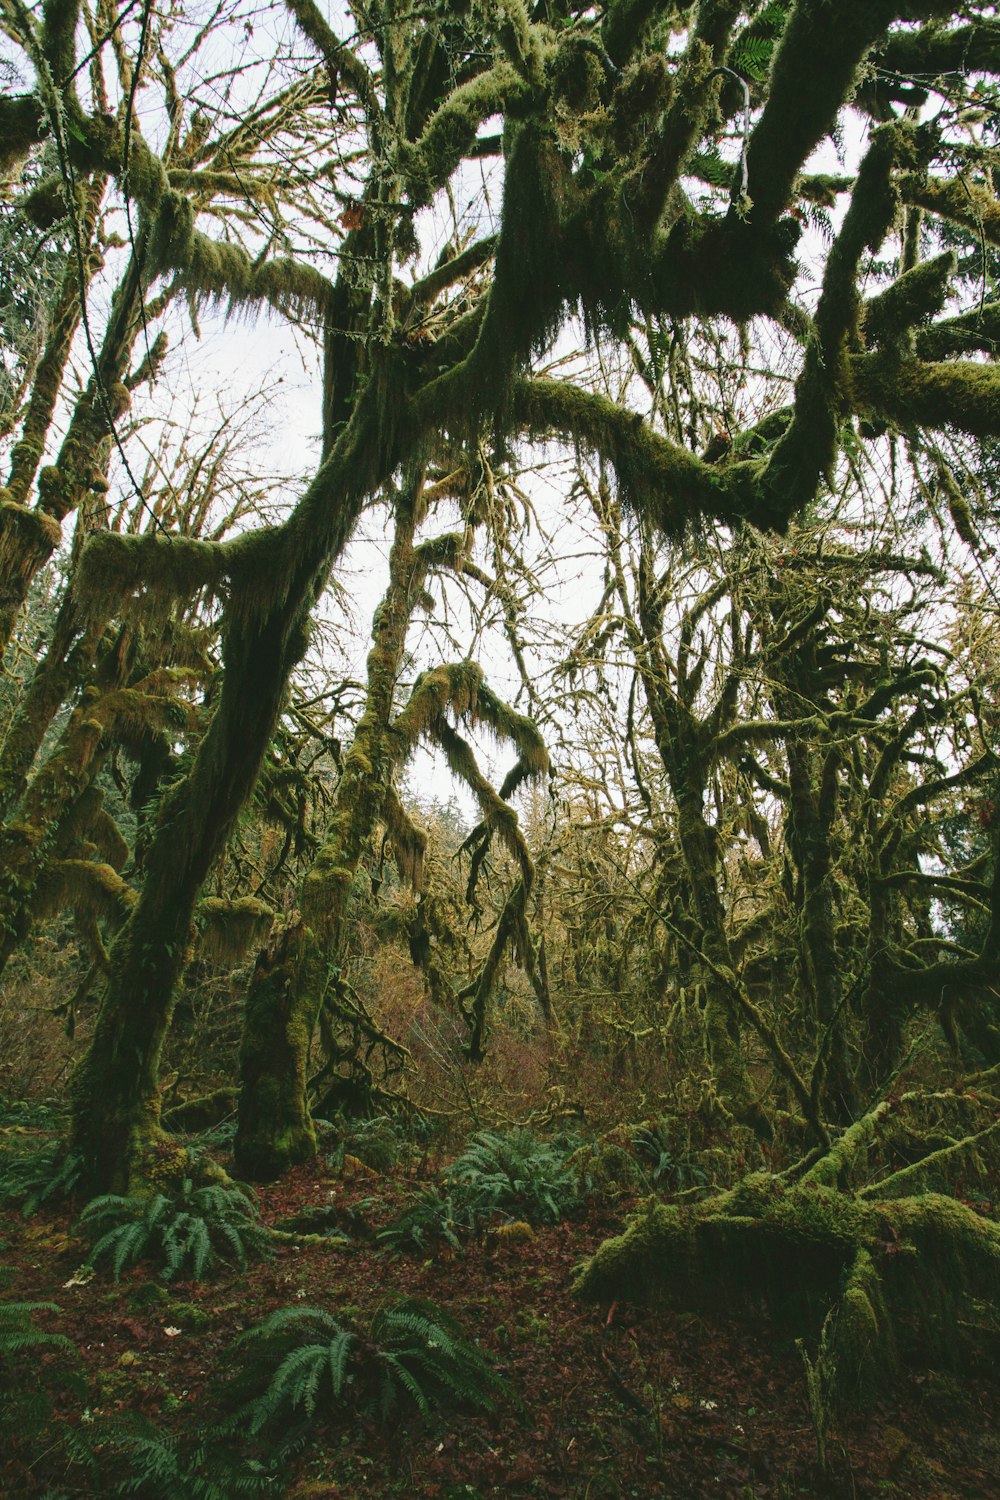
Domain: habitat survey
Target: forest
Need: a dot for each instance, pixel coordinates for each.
(499, 748)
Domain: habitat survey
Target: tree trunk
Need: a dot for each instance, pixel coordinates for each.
(275, 1130)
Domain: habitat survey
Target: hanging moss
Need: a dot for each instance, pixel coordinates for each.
(88, 820)
(217, 272)
(21, 125)
(657, 478)
(28, 539)
(408, 841)
(455, 686)
(510, 932)
(229, 929)
(84, 886)
(151, 571)
(45, 205)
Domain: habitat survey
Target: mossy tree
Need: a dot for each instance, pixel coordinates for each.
(132, 694)
(299, 980)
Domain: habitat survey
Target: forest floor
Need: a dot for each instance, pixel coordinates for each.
(613, 1401)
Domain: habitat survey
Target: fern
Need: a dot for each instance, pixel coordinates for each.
(653, 1144)
(18, 1332)
(431, 1216)
(283, 1363)
(25, 1382)
(301, 1362)
(189, 1230)
(422, 1353)
(710, 167)
(36, 1177)
(516, 1175)
(751, 56)
(158, 1465)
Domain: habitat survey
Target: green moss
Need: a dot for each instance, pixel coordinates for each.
(917, 294)
(624, 22)
(189, 1316)
(963, 201)
(862, 1341)
(21, 127)
(916, 393)
(813, 69)
(274, 1130)
(881, 1277)
(54, 490)
(27, 538)
(656, 478)
(942, 1273)
(451, 130)
(229, 929)
(85, 886)
(150, 570)
(59, 22)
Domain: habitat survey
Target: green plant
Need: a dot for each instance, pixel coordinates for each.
(25, 1404)
(189, 1229)
(654, 1145)
(301, 1361)
(431, 1216)
(517, 1175)
(821, 1385)
(191, 1467)
(34, 1177)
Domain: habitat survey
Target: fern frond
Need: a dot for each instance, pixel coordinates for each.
(182, 1230)
(301, 1360)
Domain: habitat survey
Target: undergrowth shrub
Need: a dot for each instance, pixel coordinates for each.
(27, 1378)
(189, 1230)
(160, 1466)
(300, 1362)
(382, 1142)
(516, 1175)
(44, 1174)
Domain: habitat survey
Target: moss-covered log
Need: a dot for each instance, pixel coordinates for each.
(919, 1274)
